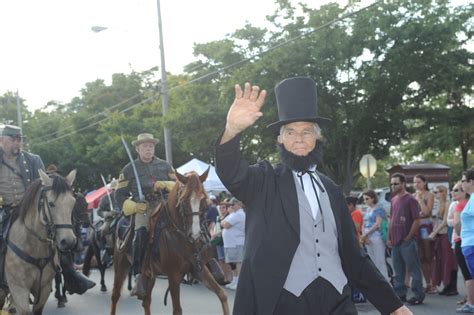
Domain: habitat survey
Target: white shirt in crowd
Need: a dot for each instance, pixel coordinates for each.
(235, 235)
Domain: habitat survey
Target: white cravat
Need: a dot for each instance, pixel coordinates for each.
(309, 191)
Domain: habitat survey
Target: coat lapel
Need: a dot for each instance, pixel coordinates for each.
(289, 198)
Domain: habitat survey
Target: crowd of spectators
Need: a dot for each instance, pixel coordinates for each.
(430, 237)
(227, 230)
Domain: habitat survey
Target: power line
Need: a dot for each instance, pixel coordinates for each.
(205, 76)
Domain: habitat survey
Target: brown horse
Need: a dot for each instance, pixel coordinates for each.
(183, 248)
(43, 225)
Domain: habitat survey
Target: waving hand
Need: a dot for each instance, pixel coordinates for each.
(244, 111)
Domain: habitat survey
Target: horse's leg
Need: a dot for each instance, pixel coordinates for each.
(147, 300)
(174, 281)
(129, 286)
(212, 285)
(102, 268)
(87, 259)
(121, 267)
(21, 299)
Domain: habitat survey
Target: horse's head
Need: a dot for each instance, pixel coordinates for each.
(188, 198)
(57, 206)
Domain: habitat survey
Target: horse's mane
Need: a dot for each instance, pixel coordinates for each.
(59, 186)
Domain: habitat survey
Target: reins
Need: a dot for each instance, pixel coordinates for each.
(44, 209)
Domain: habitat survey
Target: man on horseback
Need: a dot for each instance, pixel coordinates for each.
(153, 174)
(18, 169)
(108, 210)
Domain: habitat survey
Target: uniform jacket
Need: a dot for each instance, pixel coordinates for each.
(148, 173)
(272, 234)
(29, 163)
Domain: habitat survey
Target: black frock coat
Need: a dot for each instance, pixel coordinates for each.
(272, 234)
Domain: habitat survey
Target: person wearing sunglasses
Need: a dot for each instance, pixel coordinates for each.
(404, 225)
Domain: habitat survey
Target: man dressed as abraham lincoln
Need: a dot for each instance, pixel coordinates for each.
(300, 245)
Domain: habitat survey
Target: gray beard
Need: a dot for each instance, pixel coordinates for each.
(300, 163)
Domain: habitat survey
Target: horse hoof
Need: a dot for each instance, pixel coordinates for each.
(103, 288)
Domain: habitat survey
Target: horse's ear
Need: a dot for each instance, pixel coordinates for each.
(181, 178)
(203, 177)
(45, 179)
(71, 177)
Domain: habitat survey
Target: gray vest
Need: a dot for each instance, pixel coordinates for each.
(317, 254)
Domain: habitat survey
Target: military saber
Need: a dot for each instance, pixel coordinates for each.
(108, 192)
(139, 186)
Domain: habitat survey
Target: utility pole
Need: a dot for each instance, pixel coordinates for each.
(18, 109)
(164, 89)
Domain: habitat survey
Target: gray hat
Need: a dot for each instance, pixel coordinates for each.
(10, 130)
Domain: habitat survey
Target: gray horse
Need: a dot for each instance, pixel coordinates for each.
(42, 226)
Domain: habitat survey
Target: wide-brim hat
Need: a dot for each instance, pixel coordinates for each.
(297, 101)
(145, 137)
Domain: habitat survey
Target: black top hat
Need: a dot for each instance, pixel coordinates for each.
(297, 101)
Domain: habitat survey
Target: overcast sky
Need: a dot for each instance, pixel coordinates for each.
(49, 51)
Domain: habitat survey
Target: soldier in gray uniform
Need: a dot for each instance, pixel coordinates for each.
(300, 249)
(154, 174)
(18, 169)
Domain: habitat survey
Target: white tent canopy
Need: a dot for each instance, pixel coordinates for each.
(212, 183)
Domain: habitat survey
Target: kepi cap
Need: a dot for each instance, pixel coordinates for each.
(10, 130)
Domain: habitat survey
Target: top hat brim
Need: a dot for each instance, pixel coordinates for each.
(137, 142)
(318, 120)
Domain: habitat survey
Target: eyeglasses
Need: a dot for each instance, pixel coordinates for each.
(456, 190)
(394, 184)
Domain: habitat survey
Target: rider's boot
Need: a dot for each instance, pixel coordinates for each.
(139, 248)
(74, 281)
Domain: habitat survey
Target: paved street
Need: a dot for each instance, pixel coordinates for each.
(197, 300)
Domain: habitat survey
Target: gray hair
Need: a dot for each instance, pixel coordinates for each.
(317, 130)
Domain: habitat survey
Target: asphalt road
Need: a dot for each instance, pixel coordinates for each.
(197, 300)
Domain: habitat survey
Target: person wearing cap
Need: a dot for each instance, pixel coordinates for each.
(18, 169)
(301, 251)
(233, 234)
(154, 175)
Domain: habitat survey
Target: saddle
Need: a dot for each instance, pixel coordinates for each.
(124, 233)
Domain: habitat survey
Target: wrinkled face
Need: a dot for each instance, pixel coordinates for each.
(11, 145)
(146, 151)
(418, 183)
(298, 138)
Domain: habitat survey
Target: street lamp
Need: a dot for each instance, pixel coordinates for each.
(164, 84)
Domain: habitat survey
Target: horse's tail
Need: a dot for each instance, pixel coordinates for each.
(165, 299)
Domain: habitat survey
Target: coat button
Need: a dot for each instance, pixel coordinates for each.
(319, 254)
(317, 241)
(319, 269)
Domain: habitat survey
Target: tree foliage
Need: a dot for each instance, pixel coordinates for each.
(397, 74)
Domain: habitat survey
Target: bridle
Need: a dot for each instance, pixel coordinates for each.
(44, 209)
